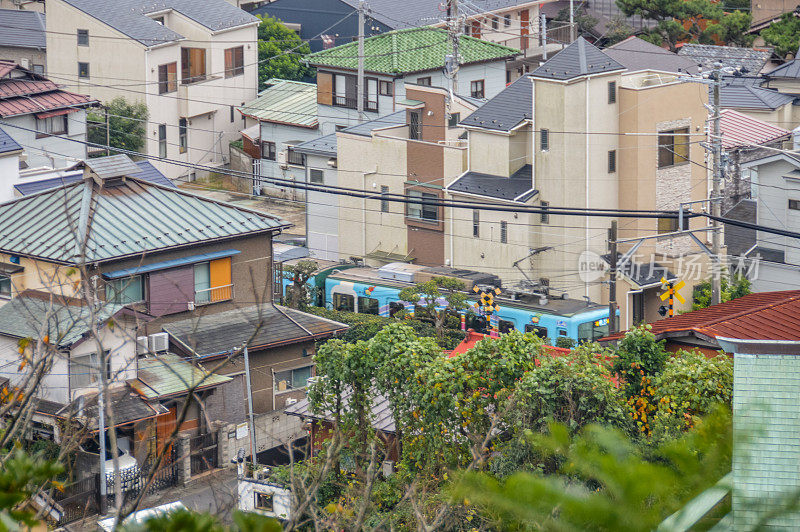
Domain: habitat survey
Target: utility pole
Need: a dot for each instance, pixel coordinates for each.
(612, 279)
(360, 91)
(253, 446)
(716, 206)
(101, 436)
(571, 21)
(451, 63)
(544, 36)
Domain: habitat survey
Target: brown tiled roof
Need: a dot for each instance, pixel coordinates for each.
(32, 93)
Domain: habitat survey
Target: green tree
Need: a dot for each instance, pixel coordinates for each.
(731, 287)
(22, 475)
(431, 295)
(617, 30)
(669, 17)
(188, 521)
(584, 23)
(280, 52)
(126, 121)
(731, 29)
(298, 294)
(783, 35)
(639, 358)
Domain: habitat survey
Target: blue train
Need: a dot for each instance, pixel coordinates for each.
(376, 291)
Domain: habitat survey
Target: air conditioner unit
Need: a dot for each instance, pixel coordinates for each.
(190, 305)
(25, 63)
(387, 468)
(141, 345)
(281, 159)
(290, 401)
(159, 342)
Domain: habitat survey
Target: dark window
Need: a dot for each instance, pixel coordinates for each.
(453, 119)
(424, 81)
(5, 286)
(343, 302)
(673, 147)
(193, 65)
(54, 125)
(167, 78)
(638, 308)
(264, 502)
(539, 331)
(38, 69)
(794, 204)
(507, 20)
(268, 150)
(395, 307)
(670, 225)
(423, 211)
(476, 223)
(592, 330)
(160, 20)
(83, 70)
(295, 158)
(83, 37)
(612, 161)
(345, 91)
(233, 114)
(384, 202)
(414, 125)
(494, 23)
(545, 217)
(234, 61)
(368, 305)
(612, 92)
(182, 135)
(544, 139)
(476, 88)
(162, 140)
(292, 379)
(504, 232)
(476, 323)
(505, 326)
(385, 88)
(316, 176)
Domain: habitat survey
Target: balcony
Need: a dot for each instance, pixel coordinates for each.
(194, 96)
(351, 103)
(213, 295)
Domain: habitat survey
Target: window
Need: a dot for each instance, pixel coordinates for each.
(368, 305)
(202, 282)
(544, 139)
(504, 232)
(125, 291)
(268, 150)
(85, 370)
(162, 140)
(343, 302)
(292, 379)
(345, 91)
(670, 225)
(5, 286)
(193, 65)
(423, 211)
(385, 88)
(612, 161)
(83, 70)
(414, 125)
(167, 78)
(38, 69)
(424, 81)
(182, 130)
(612, 92)
(476, 223)
(264, 502)
(83, 37)
(505, 326)
(371, 94)
(328, 41)
(592, 330)
(384, 202)
(212, 281)
(295, 158)
(539, 331)
(233, 114)
(494, 23)
(55, 125)
(476, 88)
(453, 119)
(673, 147)
(476, 323)
(545, 216)
(794, 204)
(234, 62)
(316, 176)
(506, 20)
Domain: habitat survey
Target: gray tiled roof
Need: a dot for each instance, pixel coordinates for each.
(126, 405)
(643, 274)
(505, 111)
(7, 144)
(747, 93)
(380, 411)
(112, 166)
(147, 172)
(730, 56)
(23, 29)
(411, 13)
(580, 58)
(514, 188)
(129, 16)
(219, 333)
(319, 146)
(790, 69)
(395, 119)
(636, 54)
(739, 240)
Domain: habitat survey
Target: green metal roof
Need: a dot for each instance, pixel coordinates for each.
(286, 102)
(118, 221)
(167, 374)
(64, 324)
(409, 50)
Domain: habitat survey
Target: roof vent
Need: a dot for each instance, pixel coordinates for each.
(109, 171)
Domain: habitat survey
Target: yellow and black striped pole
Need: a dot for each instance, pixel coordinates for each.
(671, 292)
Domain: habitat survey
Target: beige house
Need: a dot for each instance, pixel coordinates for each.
(191, 62)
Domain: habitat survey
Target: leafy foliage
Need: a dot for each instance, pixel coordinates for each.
(280, 52)
(732, 29)
(126, 121)
(299, 294)
(732, 287)
(21, 476)
(783, 35)
(639, 357)
(432, 294)
(617, 30)
(184, 520)
(584, 23)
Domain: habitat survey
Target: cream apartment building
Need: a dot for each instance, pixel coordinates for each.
(191, 62)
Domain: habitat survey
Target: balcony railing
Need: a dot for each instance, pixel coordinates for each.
(213, 295)
(352, 103)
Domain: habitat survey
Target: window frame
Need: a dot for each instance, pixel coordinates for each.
(476, 223)
(453, 119)
(373, 303)
(495, 22)
(477, 88)
(165, 84)
(92, 369)
(44, 126)
(505, 326)
(338, 297)
(415, 125)
(271, 152)
(83, 68)
(507, 20)
(503, 232)
(83, 37)
(311, 174)
(6, 287)
(545, 216)
(425, 81)
(793, 205)
(186, 65)
(612, 161)
(422, 196)
(292, 384)
(257, 504)
(612, 92)
(385, 88)
(291, 157)
(234, 61)
(544, 139)
(114, 288)
(183, 132)
(162, 141)
(384, 201)
(666, 150)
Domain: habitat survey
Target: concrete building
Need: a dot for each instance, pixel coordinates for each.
(191, 63)
(23, 39)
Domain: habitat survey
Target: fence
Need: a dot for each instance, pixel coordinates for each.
(203, 452)
(134, 480)
(78, 500)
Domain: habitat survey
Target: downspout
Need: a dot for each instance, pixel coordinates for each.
(586, 169)
(533, 133)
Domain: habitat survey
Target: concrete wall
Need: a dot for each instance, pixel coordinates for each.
(9, 175)
(322, 212)
(281, 498)
(284, 136)
(50, 151)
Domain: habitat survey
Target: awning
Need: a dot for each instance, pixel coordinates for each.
(252, 133)
(7, 268)
(57, 112)
(163, 265)
(413, 104)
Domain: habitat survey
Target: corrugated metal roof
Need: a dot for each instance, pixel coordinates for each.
(124, 220)
(580, 58)
(7, 144)
(741, 130)
(790, 70)
(130, 16)
(409, 50)
(505, 111)
(172, 263)
(147, 172)
(412, 13)
(112, 166)
(168, 375)
(22, 29)
(286, 102)
(126, 405)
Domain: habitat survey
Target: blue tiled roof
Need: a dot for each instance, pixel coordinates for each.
(7, 144)
(148, 172)
(23, 29)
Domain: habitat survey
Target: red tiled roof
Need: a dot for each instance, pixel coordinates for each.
(761, 316)
(473, 338)
(33, 94)
(741, 130)
(6, 67)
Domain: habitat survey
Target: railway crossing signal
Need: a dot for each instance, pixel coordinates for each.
(670, 293)
(486, 303)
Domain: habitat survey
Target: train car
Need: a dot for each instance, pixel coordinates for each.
(316, 282)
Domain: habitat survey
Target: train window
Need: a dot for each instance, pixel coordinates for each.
(344, 302)
(476, 323)
(505, 326)
(368, 305)
(395, 307)
(592, 330)
(562, 332)
(541, 332)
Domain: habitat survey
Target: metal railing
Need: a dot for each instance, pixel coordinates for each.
(213, 294)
